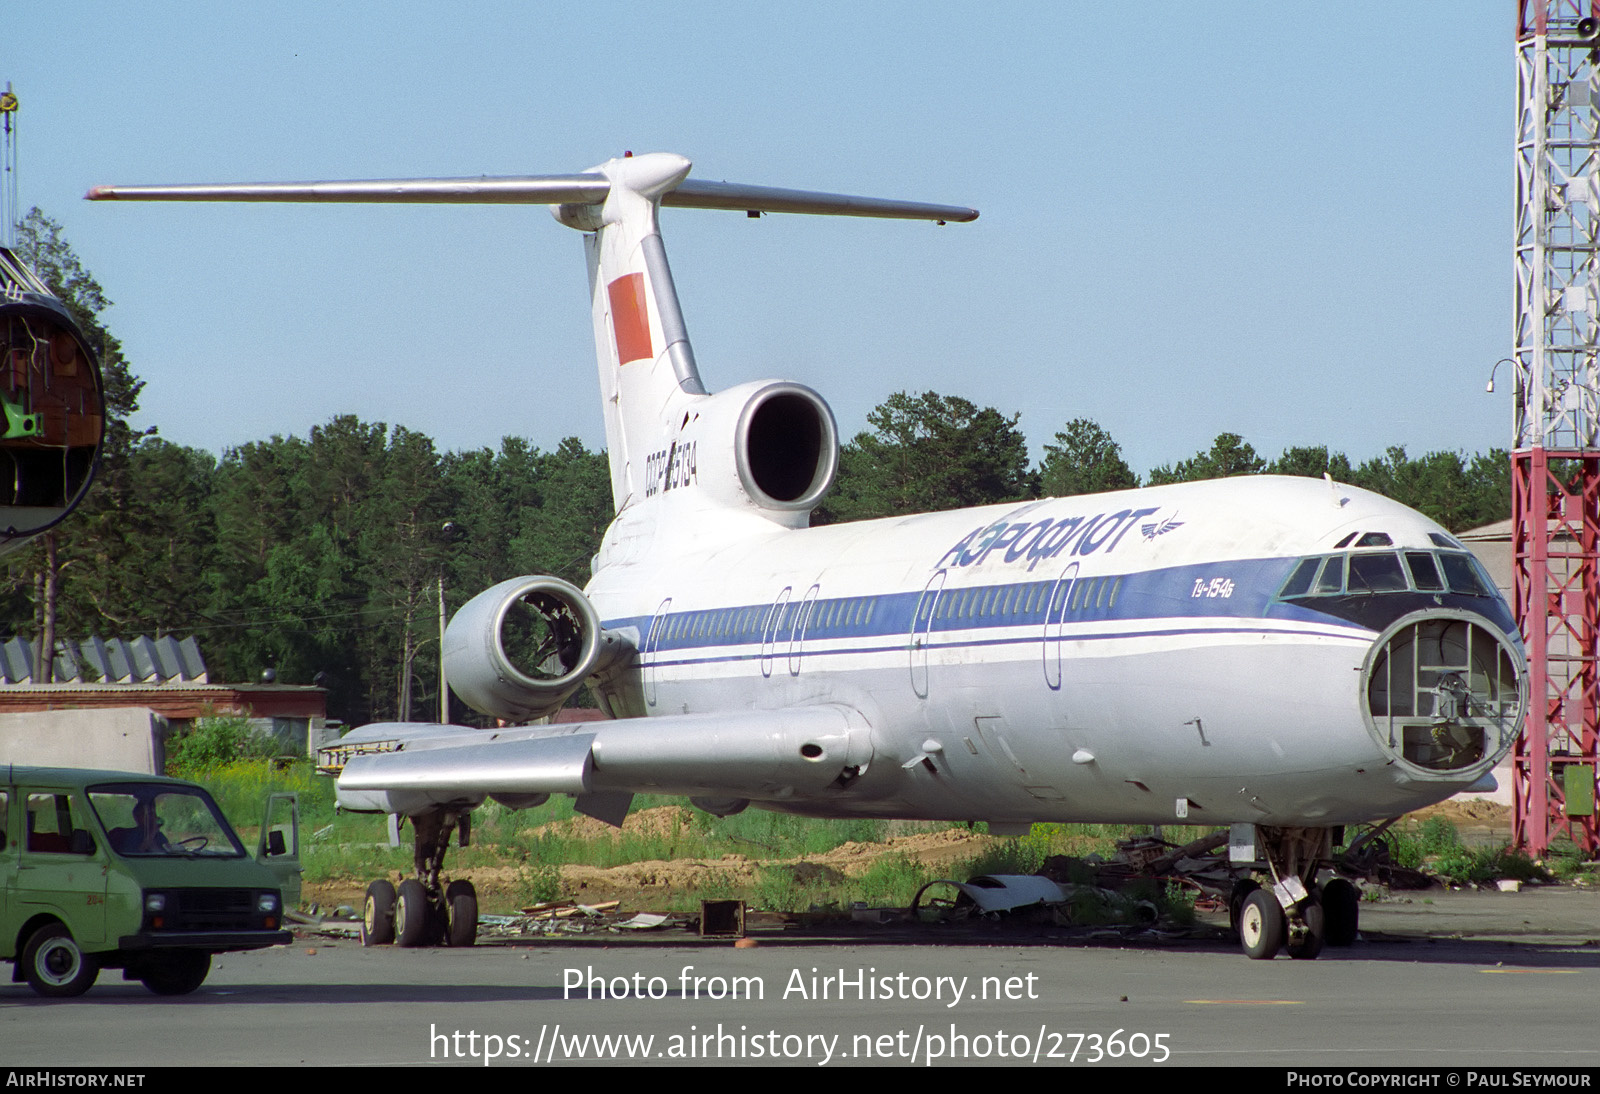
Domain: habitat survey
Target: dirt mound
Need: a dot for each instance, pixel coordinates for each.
(934, 848)
(647, 886)
(660, 821)
(1473, 812)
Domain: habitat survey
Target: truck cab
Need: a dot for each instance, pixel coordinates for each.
(107, 869)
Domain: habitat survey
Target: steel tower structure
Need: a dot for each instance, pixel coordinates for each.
(1555, 460)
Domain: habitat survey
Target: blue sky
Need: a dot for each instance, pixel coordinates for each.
(1290, 223)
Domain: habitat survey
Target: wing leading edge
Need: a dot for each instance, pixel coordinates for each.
(770, 755)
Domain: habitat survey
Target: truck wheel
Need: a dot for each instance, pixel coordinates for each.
(55, 966)
(176, 973)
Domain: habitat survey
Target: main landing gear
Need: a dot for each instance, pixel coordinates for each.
(1294, 913)
(424, 911)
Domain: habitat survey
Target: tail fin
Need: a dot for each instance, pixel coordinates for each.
(647, 368)
(648, 375)
(647, 365)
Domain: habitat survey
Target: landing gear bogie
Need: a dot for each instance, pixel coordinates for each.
(424, 911)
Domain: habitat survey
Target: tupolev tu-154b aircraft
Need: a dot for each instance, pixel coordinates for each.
(1283, 656)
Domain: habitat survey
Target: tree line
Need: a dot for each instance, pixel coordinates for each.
(321, 558)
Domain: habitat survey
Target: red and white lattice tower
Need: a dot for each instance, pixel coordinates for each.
(1555, 460)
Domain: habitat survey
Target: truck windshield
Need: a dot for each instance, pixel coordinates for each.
(158, 819)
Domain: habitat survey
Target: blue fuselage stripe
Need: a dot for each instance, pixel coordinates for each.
(1161, 600)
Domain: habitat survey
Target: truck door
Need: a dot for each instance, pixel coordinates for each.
(61, 866)
(279, 846)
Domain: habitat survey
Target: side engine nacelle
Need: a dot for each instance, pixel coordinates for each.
(770, 444)
(519, 649)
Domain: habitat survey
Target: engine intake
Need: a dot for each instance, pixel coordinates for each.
(519, 649)
(787, 448)
(770, 444)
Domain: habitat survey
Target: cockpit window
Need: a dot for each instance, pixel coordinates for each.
(1364, 573)
(1441, 540)
(1376, 573)
(1424, 571)
(1463, 575)
(1331, 582)
(1299, 583)
(1375, 539)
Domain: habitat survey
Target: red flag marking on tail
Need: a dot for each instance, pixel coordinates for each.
(630, 318)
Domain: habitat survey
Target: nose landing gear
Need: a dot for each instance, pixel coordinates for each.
(1295, 913)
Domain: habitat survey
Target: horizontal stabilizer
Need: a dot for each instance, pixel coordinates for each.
(704, 194)
(586, 188)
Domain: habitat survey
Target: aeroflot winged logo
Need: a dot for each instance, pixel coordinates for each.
(1159, 527)
(1036, 541)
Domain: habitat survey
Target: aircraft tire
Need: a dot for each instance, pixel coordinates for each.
(1261, 926)
(1309, 945)
(411, 915)
(377, 914)
(55, 965)
(462, 901)
(1341, 910)
(1241, 889)
(178, 972)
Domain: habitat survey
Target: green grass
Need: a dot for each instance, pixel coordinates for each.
(1436, 847)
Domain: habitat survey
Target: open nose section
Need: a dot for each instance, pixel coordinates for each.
(1445, 692)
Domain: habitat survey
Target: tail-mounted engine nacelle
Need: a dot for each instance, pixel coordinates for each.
(771, 444)
(519, 649)
(52, 407)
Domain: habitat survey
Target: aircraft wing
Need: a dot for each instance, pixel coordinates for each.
(408, 768)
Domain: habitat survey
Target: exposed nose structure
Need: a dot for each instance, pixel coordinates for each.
(1444, 693)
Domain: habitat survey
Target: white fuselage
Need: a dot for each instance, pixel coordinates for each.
(1118, 658)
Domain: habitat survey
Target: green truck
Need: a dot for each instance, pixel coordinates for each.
(107, 869)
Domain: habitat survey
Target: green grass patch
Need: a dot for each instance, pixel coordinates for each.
(1435, 847)
(355, 847)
